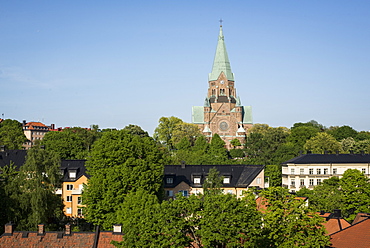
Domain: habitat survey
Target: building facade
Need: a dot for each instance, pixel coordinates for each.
(33, 131)
(189, 179)
(309, 170)
(222, 112)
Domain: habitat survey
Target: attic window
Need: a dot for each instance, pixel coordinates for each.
(169, 180)
(226, 180)
(72, 174)
(196, 180)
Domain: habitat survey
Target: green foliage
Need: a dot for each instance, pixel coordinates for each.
(263, 142)
(356, 193)
(213, 183)
(327, 196)
(236, 153)
(299, 135)
(235, 142)
(273, 172)
(120, 163)
(343, 132)
(11, 134)
(30, 191)
(323, 142)
(136, 130)
(164, 132)
(288, 223)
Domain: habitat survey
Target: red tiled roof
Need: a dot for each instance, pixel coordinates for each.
(35, 124)
(58, 239)
(357, 235)
(335, 225)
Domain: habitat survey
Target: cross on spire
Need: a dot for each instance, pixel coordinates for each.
(221, 21)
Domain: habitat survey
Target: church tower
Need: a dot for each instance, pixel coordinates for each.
(222, 112)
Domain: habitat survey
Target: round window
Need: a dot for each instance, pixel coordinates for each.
(224, 126)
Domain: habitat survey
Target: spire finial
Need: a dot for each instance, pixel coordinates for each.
(220, 22)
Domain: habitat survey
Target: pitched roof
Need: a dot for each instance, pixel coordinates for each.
(240, 175)
(16, 156)
(24, 239)
(31, 125)
(221, 61)
(357, 235)
(329, 158)
(77, 165)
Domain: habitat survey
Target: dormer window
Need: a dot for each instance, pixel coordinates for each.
(169, 180)
(72, 174)
(196, 180)
(226, 180)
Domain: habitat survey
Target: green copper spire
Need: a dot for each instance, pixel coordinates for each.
(221, 62)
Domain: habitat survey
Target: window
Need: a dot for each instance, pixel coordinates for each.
(318, 171)
(292, 182)
(69, 198)
(301, 182)
(79, 212)
(169, 193)
(363, 170)
(69, 186)
(184, 192)
(301, 171)
(326, 171)
(310, 171)
(79, 200)
(72, 174)
(292, 171)
(226, 180)
(318, 181)
(196, 180)
(69, 210)
(334, 170)
(169, 180)
(230, 191)
(311, 182)
(258, 180)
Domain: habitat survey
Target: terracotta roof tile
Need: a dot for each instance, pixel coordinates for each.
(357, 235)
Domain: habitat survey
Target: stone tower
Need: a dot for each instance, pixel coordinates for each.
(222, 112)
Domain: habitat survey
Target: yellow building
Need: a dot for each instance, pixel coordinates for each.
(73, 181)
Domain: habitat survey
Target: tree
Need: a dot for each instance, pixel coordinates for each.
(120, 163)
(164, 132)
(288, 223)
(33, 190)
(11, 134)
(213, 183)
(340, 133)
(136, 130)
(235, 142)
(322, 143)
(327, 196)
(229, 222)
(356, 193)
(185, 130)
(273, 172)
(300, 134)
(67, 144)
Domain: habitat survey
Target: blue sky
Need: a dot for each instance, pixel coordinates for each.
(114, 63)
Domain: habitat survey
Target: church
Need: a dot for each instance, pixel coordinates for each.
(223, 112)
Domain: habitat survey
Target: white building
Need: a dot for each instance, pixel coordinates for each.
(309, 170)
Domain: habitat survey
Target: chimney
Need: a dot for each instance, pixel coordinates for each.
(52, 126)
(68, 229)
(117, 229)
(183, 164)
(9, 228)
(337, 213)
(24, 123)
(40, 229)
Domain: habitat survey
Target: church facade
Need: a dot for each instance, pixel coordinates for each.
(222, 112)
